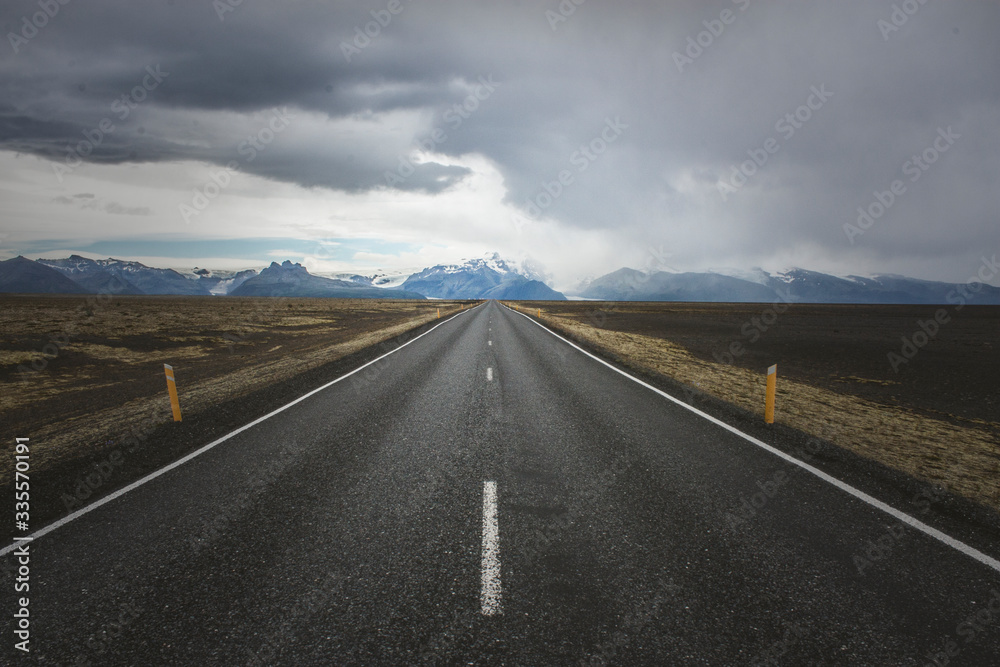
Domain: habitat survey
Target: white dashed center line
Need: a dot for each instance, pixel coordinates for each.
(489, 375)
(490, 343)
(490, 592)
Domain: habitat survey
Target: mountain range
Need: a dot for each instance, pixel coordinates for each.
(125, 277)
(287, 279)
(23, 275)
(794, 285)
(487, 277)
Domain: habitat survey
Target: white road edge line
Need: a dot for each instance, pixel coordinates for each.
(958, 545)
(179, 462)
(489, 595)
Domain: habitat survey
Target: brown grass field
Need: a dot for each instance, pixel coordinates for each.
(937, 418)
(79, 374)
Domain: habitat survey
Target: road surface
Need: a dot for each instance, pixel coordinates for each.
(488, 494)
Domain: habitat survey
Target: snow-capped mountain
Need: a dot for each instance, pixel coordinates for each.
(489, 277)
(20, 275)
(793, 285)
(527, 267)
(119, 276)
(288, 279)
(131, 277)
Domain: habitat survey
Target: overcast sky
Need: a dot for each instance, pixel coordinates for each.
(226, 135)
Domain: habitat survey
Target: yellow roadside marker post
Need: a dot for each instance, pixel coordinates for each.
(539, 312)
(772, 376)
(439, 313)
(175, 405)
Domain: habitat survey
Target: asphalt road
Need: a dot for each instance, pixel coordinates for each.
(359, 526)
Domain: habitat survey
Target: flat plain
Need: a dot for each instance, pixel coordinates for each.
(83, 376)
(935, 416)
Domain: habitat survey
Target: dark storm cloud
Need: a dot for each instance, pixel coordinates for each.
(695, 89)
(89, 64)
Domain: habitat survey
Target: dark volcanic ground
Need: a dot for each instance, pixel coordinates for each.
(843, 348)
